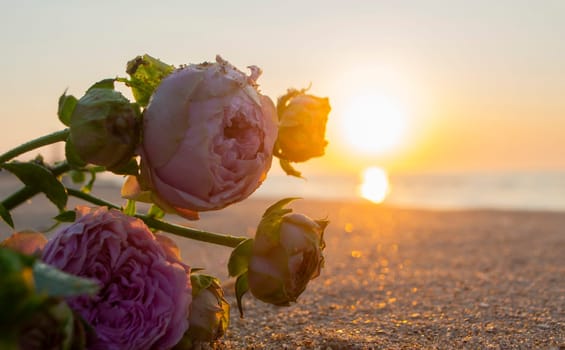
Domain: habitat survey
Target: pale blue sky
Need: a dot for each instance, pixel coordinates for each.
(469, 64)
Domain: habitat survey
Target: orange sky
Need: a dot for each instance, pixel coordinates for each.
(482, 81)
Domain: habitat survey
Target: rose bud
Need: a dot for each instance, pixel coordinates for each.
(302, 125)
(26, 242)
(208, 137)
(209, 312)
(104, 128)
(287, 254)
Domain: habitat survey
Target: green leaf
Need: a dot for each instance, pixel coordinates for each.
(67, 104)
(130, 168)
(66, 216)
(39, 177)
(72, 156)
(6, 216)
(56, 283)
(130, 208)
(239, 258)
(146, 73)
(18, 299)
(241, 287)
(103, 84)
(289, 169)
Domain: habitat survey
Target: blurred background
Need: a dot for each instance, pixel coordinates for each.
(435, 104)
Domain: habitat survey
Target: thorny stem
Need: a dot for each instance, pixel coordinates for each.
(182, 231)
(45, 140)
(28, 192)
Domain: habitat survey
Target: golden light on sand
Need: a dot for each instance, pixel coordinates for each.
(375, 185)
(375, 123)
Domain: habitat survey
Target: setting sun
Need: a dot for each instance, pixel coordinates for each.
(374, 123)
(375, 186)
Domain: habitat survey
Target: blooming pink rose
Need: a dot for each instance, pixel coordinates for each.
(208, 137)
(145, 292)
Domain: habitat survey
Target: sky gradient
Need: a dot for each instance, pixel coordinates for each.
(483, 81)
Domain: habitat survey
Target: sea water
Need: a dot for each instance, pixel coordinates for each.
(509, 190)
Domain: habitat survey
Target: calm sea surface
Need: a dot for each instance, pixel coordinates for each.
(524, 191)
(529, 191)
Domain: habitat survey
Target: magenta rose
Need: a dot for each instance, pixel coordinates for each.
(208, 137)
(145, 291)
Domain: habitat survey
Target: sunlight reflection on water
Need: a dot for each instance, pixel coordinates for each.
(375, 185)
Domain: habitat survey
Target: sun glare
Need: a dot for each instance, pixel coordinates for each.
(375, 186)
(374, 123)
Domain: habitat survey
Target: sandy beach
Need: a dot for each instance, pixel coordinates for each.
(398, 278)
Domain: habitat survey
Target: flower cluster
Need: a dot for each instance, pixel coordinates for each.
(197, 138)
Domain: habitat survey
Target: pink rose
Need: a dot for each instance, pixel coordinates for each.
(145, 291)
(208, 137)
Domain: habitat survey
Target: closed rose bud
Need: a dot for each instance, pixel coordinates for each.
(104, 128)
(209, 312)
(26, 242)
(208, 137)
(302, 126)
(287, 254)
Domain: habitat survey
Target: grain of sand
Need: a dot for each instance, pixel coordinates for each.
(398, 279)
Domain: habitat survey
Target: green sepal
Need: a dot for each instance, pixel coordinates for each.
(130, 208)
(56, 283)
(239, 258)
(278, 209)
(6, 216)
(271, 220)
(289, 169)
(282, 101)
(155, 212)
(146, 73)
(103, 84)
(66, 216)
(241, 287)
(74, 160)
(39, 177)
(67, 104)
(88, 187)
(130, 168)
(201, 282)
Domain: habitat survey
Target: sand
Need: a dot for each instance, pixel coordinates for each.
(400, 279)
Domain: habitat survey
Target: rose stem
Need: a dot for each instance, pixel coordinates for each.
(186, 232)
(45, 140)
(27, 192)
